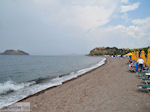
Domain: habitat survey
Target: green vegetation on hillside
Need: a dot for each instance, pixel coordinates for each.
(114, 51)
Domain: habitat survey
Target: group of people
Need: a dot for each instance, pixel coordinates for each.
(139, 66)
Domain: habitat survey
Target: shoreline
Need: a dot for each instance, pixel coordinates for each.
(38, 93)
(63, 79)
(108, 88)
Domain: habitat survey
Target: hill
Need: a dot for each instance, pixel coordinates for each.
(113, 51)
(14, 52)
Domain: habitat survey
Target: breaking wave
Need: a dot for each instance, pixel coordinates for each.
(11, 92)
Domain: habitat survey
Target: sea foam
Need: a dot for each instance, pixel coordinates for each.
(12, 92)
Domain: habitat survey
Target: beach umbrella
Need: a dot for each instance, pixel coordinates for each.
(136, 55)
(143, 55)
(133, 56)
(129, 54)
(148, 57)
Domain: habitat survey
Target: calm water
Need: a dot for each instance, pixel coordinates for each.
(21, 76)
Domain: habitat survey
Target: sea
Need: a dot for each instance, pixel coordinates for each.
(22, 76)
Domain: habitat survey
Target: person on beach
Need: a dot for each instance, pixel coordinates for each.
(133, 66)
(140, 63)
(129, 61)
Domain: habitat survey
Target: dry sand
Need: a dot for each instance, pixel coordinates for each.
(110, 88)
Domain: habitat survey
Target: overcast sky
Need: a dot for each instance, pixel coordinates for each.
(60, 27)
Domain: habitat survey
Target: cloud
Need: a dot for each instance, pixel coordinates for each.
(133, 36)
(89, 17)
(52, 26)
(143, 26)
(83, 14)
(125, 1)
(144, 21)
(127, 8)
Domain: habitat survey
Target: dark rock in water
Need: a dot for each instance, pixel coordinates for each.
(14, 52)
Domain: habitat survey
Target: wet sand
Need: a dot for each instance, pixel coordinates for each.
(109, 88)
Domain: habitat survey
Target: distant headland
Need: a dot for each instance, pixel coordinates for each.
(114, 51)
(14, 52)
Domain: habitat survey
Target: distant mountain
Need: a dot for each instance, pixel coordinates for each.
(14, 52)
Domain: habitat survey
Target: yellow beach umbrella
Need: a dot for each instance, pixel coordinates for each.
(137, 55)
(133, 56)
(143, 55)
(148, 57)
(129, 54)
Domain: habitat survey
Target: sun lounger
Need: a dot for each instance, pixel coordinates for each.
(143, 86)
(148, 74)
(144, 75)
(141, 73)
(146, 80)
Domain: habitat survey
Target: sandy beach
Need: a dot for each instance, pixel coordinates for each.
(109, 88)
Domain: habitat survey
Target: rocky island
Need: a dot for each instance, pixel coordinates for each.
(14, 52)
